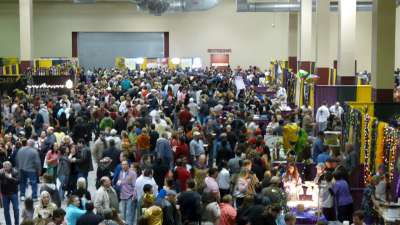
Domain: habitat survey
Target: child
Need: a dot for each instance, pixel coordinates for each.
(326, 197)
(358, 218)
(290, 219)
(27, 213)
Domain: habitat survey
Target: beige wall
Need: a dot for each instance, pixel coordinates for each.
(251, 36)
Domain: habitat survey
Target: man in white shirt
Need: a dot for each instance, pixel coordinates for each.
(196, 146)
(322, 117)
(224, 179)
(336, 110)
(145, 178)
(193, 108)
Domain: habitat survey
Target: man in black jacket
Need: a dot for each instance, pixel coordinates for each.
(9, 180)
(113, 153)
(171, 214)
(83, 160)
(89, 218)
(190, 204)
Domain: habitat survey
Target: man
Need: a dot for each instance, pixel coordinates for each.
(113, 153)
(290, 219)
(318, 146)
(196, 146)
(211, 182)
(9, 181)
(336, 110)
(268, 217)
(322, 117)
(184, 117)
(234, 163)
(189, 203)
(84, 160)
(228, 213)
(29, 166)
(89, 218)
(114, 136)
(164, 151)
(154, 135)
(126, 184)
(142, 180)
(106, 197)
(58, 217)
(193, 108)
(323, 156)
(168, 205)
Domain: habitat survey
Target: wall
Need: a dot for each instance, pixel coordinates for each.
(251, 36)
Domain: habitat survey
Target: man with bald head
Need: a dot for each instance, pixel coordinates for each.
(29, 167)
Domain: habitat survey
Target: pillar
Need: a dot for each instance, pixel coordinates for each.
(292, 45)
(305, 60)
(323, 63)
(383, 49)
(347, 40)
(26, 33)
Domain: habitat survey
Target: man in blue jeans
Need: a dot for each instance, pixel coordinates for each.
(29, 167)
(9, 190)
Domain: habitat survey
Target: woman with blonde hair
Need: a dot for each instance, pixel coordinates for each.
(244, 185)
(126, 145)
(81, 192)
(44, 210)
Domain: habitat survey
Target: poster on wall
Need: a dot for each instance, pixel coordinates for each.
(220, 60)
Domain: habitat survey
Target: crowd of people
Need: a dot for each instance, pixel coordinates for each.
(167, 148)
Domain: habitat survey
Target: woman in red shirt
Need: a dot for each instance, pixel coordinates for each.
(181, 174)
(182, 149)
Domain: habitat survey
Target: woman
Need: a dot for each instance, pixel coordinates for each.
(126, 146)
(73, 212)
(181, 148)
(63, 171)
(44, 210)
(29, 129)
(243, 186)
(82, 193)
(51, 160)
(292, 182)
(49, 186)
(343, 198)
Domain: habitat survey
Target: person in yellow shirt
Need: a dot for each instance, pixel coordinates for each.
(153, 215)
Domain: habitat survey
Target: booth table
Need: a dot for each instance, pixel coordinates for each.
(385, 216)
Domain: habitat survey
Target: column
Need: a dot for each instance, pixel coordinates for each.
(323, 63)
(383, 49)
(292, 45)
(26, 33)
(347, 40)
(305, 35)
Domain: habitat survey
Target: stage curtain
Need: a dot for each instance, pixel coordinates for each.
(380, 151)
(324, 93)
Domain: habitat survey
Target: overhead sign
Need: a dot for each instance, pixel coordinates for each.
(219, 50)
